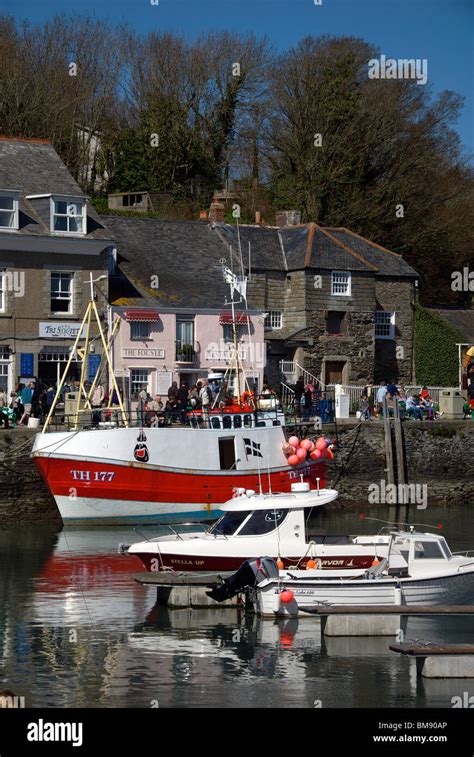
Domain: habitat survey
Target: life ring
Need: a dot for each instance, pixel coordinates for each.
(248, 399)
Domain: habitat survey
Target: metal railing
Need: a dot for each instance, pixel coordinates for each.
(292, 371)
(355, 392)
(185, 353)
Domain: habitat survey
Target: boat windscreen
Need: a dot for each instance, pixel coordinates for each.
(262, 522)
(229, 523)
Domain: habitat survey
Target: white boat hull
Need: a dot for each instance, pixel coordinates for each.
(444, 589)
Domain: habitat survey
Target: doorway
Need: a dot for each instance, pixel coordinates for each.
(227, 453)
(333, 371)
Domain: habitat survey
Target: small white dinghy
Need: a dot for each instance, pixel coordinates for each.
(262, 524)
(419, 569)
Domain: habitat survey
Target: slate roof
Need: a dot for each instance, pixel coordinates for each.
(462, 320)
(266, 250)
(387, 262)
(33, 167)
(184, 255)
(314, 247)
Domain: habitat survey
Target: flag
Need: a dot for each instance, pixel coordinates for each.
(252, 448)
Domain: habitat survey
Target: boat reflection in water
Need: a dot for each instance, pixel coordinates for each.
(77, 631)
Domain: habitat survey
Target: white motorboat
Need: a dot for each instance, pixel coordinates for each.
(419, 569)
(256, 524)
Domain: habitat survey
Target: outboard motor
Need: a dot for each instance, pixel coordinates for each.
(249, 574)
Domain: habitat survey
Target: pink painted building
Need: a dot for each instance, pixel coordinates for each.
(156, 346)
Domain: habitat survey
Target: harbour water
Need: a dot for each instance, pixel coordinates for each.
(77, 631)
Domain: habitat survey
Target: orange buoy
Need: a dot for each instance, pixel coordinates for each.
(310, 564)
(286, 596)
(375, 562)
(280, 563)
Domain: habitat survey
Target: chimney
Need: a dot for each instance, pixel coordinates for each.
(288, 218)
(216, 211)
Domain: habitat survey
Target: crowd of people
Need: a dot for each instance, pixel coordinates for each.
(31, 400)
(183, 399)
(414, 405)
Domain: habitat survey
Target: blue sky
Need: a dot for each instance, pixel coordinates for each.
(439, 30)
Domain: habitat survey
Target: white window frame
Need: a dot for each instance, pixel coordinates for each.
(70, 201)
(140, 337)
(148, 371)
(70, 311)
(390, 322)
(342, 275)
(3, 298)
(274, 320)
(11, 194)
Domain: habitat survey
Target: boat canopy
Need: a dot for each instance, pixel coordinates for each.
(249, 500)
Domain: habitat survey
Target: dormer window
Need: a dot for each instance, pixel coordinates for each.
(68, 215)
(8, 209)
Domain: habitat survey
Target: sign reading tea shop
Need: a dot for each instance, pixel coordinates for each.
(56, 330)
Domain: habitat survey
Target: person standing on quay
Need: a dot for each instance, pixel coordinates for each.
(26, 397)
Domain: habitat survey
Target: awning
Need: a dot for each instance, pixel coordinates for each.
(142, 315)
(241, 319)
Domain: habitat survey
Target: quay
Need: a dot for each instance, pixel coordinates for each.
(440, 660)
(372, 620)
(182, 590)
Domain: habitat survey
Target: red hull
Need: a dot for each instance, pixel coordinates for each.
(211, 563)
(137, 483)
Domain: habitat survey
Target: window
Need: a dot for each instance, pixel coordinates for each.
(140, 330)
(336, 322)
(61, 292)
(8, 211)
(68, 216)
(341, 283)
(274, 319)
(184, 331)
(384, 325)
(53, 354)
(4, 377)
(140, 377)
(263, 521)
(229, 523)
(4, 366)
(428, 550)
(129, 201)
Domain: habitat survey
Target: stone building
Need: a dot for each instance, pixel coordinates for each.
(50, 242)
(337, 305)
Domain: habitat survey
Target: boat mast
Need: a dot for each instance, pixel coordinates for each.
(91, 311)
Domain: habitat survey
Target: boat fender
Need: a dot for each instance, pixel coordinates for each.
(280, 564)
(311, 564)
(276, 604)
(286, 596)
(398, 594)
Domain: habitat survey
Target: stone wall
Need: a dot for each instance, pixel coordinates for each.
(356, 347)
(24, 497)
(394, 357)
(439, 454)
